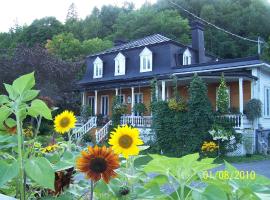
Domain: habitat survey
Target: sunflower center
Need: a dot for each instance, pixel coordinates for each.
(98, 165)
(64, 122)
(125, 141)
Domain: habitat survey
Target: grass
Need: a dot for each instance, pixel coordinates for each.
(242, 159)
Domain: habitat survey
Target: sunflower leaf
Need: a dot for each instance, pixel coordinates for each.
(38, 107)
(40, 171)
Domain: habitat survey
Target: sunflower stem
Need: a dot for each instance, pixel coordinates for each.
(20, 157)
(69, 141)
(92, 190)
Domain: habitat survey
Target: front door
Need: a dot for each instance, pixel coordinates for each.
(104, 105)
(138, 98)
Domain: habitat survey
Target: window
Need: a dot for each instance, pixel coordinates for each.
(186, 57)
(91, 103)
(122, 98)
(98, 68)
(104, 105)
(267, 102)
(120, 64)
(146, 60)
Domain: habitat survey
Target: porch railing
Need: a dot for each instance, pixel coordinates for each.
(137, 121)
(239, 121)
(102, 133)
(78, 132)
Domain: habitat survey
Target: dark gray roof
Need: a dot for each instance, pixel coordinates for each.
(149, 40)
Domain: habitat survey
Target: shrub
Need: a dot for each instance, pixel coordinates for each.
(179, 105)
(253, 109)
(140, 108)
(222, 96)
(199, 110)
(86, 112)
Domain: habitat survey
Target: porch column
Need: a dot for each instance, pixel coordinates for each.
(96, 99)
(83, 98)
(156, 91)
(241, 99)
(132, 100)
(116, 91)
(163, 90)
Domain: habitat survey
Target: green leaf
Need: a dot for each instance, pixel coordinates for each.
(10, 122)
(7, 171)
(213, 192)
(23, 83)
(11, 92)
(40, 171)
(29, 95)
(38, 107)
(3, 99)
(5, 112)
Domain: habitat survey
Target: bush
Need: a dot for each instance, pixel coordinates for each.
(86, 112)
(222, 96)
(253, 109)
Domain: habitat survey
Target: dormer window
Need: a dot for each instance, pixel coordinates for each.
(146, 60)
(186, 57)
(120, 64)
(98, 68)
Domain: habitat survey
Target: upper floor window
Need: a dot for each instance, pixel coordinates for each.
(186, 57)
(120, 64)
(267, 101)
(146, 60)
(98, 68)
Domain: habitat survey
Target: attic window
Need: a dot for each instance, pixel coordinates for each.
(120, 64)
(146, 60)
(186, 57)
(98, 68)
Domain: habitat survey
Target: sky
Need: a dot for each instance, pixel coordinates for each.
(25, 11)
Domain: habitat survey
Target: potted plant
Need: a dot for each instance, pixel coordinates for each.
(140, 108)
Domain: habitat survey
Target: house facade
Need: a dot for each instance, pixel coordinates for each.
(127, 69)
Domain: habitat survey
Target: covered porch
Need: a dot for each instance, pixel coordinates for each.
(239, 90)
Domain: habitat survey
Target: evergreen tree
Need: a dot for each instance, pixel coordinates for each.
(222, 96)
(200, 112)
(72, 14)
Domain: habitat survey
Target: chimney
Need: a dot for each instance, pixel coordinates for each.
(197, 28)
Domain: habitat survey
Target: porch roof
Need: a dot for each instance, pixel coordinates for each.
(146, 81)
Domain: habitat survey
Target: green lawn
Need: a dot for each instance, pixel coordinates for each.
(239, 159)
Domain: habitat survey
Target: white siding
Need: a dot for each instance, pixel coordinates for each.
(263, 81)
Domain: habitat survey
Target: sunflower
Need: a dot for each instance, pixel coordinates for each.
(125, 141)
(64, 122)
(97, 163)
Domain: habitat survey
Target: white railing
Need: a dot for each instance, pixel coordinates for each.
(137, 121)
(80, 131)
(239, 121)
(102, 133)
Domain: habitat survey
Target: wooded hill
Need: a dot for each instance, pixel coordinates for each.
(76, 38)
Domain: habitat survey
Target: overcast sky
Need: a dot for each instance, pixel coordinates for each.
(25, 11)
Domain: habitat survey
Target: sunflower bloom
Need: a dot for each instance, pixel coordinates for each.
(125, 141)
(97, 163)
(64, 122)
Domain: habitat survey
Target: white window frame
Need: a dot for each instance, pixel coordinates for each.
(98, 68)
(146, 60)
(266, 102)
(229, 93)
(120, 64)
(108, 105)
(187, 57)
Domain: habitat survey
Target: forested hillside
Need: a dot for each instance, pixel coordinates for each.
(73, 40)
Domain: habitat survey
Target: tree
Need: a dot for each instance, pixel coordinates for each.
(223, 96)
(199, 111)
(65, 46)
(95, 45)
(72, 14)
(168, 22)
(40, 31)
